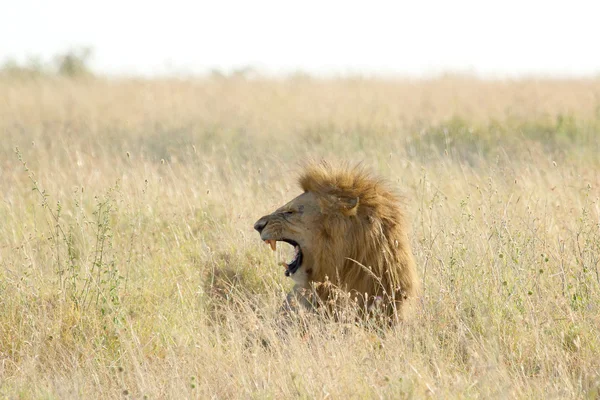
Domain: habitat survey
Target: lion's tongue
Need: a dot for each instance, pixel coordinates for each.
(272, 243)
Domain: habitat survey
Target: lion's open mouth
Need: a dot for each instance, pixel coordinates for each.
(292, 266)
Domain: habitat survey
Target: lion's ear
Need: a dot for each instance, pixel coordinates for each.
(331, 204)
(349, 205)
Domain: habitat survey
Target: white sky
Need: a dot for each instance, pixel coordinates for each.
(418, 37)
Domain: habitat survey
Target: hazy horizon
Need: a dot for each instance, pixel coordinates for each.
(402, 39)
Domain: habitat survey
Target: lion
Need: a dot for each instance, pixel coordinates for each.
(348, 232)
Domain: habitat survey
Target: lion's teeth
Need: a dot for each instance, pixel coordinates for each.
(284, 265)
(272, 243)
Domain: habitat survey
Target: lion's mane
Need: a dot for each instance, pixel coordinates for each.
(363, 243)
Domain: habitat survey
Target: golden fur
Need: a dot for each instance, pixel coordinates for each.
(366, 248)
(355, 240)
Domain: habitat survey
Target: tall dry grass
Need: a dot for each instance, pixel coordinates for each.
(129, 268)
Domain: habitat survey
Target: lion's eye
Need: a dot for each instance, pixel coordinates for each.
(288, 212)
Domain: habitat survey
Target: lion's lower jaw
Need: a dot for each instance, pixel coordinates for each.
(301, 277)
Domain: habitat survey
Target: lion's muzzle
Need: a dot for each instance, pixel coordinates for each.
(271, 239)
(261, 223)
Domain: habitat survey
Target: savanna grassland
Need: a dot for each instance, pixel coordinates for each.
(129, 267)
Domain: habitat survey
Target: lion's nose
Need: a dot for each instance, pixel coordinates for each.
(260, 224)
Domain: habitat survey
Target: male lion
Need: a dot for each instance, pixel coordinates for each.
(348, 232)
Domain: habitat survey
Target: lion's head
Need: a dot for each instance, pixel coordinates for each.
(347, 229)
